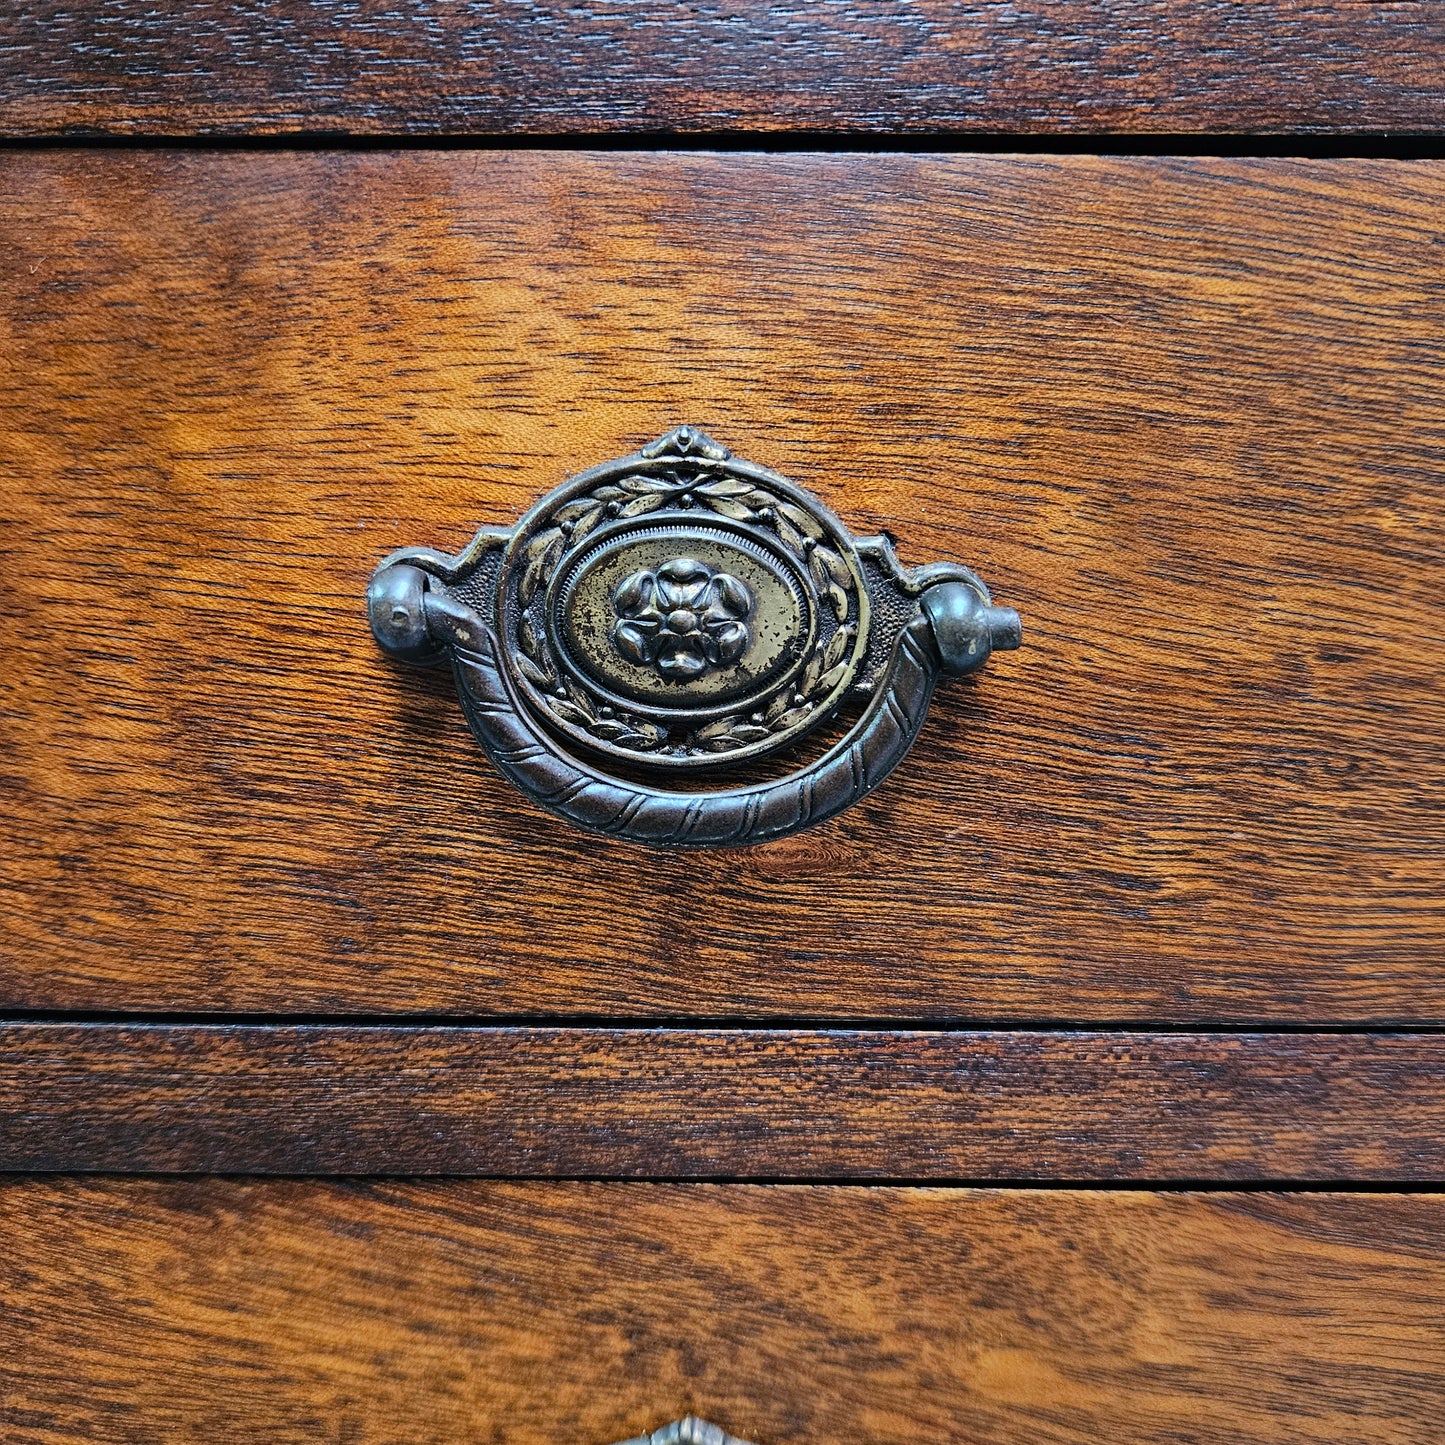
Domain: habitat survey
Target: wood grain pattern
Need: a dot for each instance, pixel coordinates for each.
(1184, 414)
(520, 67)
(688, 1104)
(392, 1313)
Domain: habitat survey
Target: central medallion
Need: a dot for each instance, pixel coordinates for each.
(682, 619)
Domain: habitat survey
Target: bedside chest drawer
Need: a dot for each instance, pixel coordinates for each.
(1183, 414)
(381, 1312)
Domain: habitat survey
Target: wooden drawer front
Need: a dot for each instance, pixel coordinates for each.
(1183, 413)
(208, 1309)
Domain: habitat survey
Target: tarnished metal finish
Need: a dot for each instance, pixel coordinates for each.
(687, 1431)
(676, 612)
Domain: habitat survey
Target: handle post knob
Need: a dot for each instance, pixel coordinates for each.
(966, 629)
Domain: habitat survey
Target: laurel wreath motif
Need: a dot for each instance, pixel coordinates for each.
(730, 497)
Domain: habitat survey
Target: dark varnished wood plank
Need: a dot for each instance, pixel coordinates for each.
(661, 1103)
(1184, 414)
(208, 1310)
(126, 67)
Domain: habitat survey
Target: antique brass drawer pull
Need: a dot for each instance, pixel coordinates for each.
(672, 614)
(687, 1431)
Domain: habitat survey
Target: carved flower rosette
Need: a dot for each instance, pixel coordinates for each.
(682, 608)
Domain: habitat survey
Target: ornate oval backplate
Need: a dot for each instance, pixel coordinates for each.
(681, 607)
(675, 612)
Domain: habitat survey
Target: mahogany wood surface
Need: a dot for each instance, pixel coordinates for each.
(520, 67)
(205, 1310)
(689, 1104)
(1184, 414)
